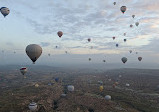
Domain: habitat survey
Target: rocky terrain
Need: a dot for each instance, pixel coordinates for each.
(17, 91)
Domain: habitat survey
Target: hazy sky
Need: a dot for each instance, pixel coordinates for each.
(38, 21)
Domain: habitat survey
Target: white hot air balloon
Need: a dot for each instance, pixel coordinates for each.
(23, 70)
(109, 79)
(127, 85)
(63, 95)
(33, 51)
(33, 106)
(108, 97)
(70, 88)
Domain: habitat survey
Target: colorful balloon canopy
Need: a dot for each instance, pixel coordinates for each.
(5, 11)
(23, 70)
(33, 106)
(123, 9)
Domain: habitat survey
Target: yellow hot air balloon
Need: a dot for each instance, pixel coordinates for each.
(36, 85)
(101, 88)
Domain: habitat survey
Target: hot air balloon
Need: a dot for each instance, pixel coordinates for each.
(70, 88)
(60, 33)
(124, 34)
(124, 59)
(57, 79)
(63, 95)
(139, 58)
(117, 45)
(23, 70)
(113, 38)
(124, 40)
(101, 88)
(36, 85)
(89, 39)
(108, 97)
(100, 82)
(114, 3)
(56, 46)
(116, 83)
(130, 51)
(123, 9)
(33, 51)
(104, 61)
(91, 47)
(120, 76)
(133, 16)
(113, 85)
(131, 26)
(5, 11)
(33, 106)
(137, 23)
(89, 59)
(127, 85)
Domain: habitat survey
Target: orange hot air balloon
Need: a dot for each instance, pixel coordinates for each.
(60, 33)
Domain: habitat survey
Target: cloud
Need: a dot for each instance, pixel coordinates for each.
(44, 44)
(10, 44)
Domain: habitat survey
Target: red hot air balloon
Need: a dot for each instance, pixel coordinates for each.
(23, 70)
